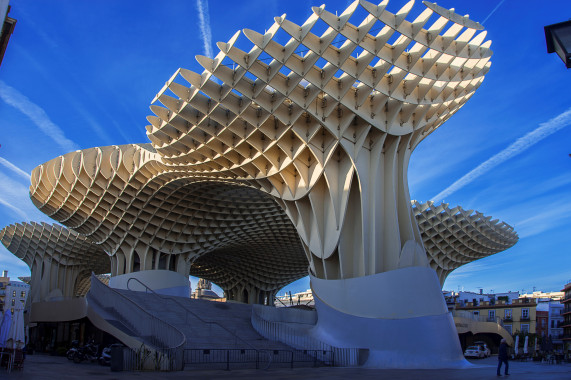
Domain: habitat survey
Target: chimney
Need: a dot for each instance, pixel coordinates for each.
(4, 273)
(481, 291)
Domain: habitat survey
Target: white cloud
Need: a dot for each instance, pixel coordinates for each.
(544, 130)
(15, 196)
(553, 215)
(14, 208)
(204, 24)
(15, 266)
(13, 97)
(14, 168)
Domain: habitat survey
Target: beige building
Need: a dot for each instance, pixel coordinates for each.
(517, 316)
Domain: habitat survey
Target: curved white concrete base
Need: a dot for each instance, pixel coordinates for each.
(400, 316)
(161, 281)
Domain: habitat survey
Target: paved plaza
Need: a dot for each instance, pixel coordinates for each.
(40, 367)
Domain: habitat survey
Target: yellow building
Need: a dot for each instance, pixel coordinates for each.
(517, 316)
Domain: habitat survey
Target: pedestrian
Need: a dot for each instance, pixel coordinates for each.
(503, 357)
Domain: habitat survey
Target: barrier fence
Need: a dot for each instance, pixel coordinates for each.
(229, 359)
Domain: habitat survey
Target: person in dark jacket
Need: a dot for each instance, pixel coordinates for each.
(503, 357)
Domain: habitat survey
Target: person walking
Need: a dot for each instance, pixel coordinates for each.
(503, 357)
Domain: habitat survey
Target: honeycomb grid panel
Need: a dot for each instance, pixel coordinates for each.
(317, 133)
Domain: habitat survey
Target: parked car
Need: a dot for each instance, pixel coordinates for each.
(475, 352)
(486, 348)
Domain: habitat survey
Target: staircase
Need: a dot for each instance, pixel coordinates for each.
(154, 343)
(214, 334)
(206, 324)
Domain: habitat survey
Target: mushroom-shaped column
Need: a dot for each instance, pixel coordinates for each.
(160, 223)
(326, 121)
(59, 259)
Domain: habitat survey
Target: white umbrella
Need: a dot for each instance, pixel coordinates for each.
(16, 335)
(516, 344)
(525, 344)
(5, 327)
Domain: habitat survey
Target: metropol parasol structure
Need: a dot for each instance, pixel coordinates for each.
(287, 160)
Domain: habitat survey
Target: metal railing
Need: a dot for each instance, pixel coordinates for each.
(165, 342)
(209, 323)
(247, 358)
(278, 331)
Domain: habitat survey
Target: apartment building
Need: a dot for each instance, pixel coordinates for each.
(13, 294)
(567, 318)
(517, 316)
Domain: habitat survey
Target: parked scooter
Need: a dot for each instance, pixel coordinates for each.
(87, 352)
(105, 358)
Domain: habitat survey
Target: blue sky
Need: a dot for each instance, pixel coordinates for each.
(79, 74)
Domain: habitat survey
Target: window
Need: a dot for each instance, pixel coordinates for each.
(508, 314)
(543, 323)
(552, 324)
(477, 312)
(525, 313)
(14, 293)
(13, 302)
(525, 329)
(12, 311)
(23, 294)
(508, 328)
(491, 314)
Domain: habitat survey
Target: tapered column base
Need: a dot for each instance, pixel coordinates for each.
(399, 316)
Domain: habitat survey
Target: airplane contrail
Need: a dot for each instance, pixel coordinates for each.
(544, 130)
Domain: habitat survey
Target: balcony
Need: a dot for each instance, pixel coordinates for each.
(524, 319)
(508, 319)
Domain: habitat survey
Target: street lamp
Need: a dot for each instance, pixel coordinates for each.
(558, 39)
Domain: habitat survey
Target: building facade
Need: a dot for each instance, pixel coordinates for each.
(204, 291)
(517, 316)
(567, 318)
(556, 321)
(4, 280)
(296, 299)
(542, 322)
(13, 294)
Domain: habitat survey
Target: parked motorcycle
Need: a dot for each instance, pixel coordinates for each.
(87, 352)
(105, 358)
(71, 352)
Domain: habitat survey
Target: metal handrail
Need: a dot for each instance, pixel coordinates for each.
(155, 322)
(198, 317)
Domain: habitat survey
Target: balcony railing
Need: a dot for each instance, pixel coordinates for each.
(526, 319)
(508, 319)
